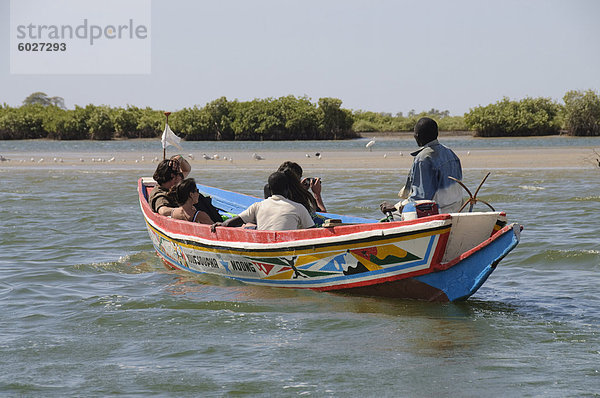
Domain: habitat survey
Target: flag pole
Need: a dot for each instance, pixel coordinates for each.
(165, 149)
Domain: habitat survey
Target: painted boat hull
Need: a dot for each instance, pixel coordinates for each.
(444, 257)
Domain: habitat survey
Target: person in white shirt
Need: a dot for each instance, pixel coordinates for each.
(276, 213)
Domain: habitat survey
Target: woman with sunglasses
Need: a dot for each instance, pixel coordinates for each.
(204, 203)
(187, 195)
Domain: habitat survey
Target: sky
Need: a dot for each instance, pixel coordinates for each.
(374, 55)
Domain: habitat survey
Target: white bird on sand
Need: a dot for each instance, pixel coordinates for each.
(216, 156)
(468, 153)
(111, 159)
(41, 160)
(32, 159)
(401, 154)
(257, 157)
(370, 144)
(385, 155)
(318, 155)
(206, 157)
(307, 155)
(190, 156)
(81, 160)
(55, 160)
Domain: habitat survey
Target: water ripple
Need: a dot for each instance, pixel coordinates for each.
(90, 310)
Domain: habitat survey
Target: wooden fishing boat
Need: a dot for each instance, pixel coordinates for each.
(444, 257)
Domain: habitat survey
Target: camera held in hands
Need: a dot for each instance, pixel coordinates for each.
(308, 181)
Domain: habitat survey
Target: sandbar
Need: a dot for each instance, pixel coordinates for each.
(519, 158)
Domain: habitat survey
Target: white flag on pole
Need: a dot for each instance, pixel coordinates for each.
(169, 138)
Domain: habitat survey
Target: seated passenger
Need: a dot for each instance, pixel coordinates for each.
(276, 213)
(187, 194)
(313, 201)
(167, 175)
(204, 203)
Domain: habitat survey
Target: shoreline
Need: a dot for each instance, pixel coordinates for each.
(522, 158)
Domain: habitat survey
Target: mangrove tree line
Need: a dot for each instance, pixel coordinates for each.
(579, 115)
(285, 118)
(291, 118)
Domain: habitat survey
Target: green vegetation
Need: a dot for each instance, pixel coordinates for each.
(385, 122)
(40, 98)
(285, 118)
(582, 113)
(291, 118)
(506, 118)
(579, 116)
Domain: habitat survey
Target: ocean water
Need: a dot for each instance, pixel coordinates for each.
(87, 309)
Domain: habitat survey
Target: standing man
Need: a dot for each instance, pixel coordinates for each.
(428, 176)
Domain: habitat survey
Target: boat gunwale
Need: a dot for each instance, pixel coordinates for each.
(312, 245)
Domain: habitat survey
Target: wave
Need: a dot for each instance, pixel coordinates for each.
(587, 199)
(531, 188)
(565, 259)
(137, 263)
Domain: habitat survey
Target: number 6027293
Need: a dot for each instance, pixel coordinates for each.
(42, 46)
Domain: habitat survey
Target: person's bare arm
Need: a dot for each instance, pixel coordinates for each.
(232, 222)
(203, 218)
(387, 207)
(315, 187)
(165, 210)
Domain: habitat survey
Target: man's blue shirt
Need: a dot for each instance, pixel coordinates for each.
(428, 177)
